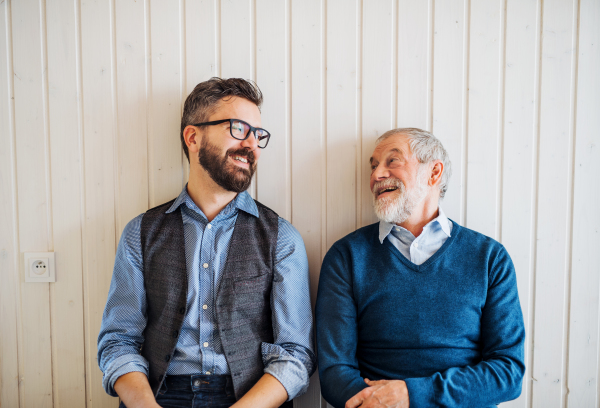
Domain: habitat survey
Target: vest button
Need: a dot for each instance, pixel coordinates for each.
(182, 310)
(167, 358)
(175, 333)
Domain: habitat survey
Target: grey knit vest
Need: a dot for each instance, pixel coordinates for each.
(243, 306)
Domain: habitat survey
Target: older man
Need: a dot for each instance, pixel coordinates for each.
(209, 305)
(417, 310)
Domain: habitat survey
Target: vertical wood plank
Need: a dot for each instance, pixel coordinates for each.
(413, 61)
(9, 250)
(237, 39)
(520, 159)
(342, 117)
(553, 230)
(164, 146)
(33, 198)
(200, 42)
(99, 127)
(449, 99)
(132, 130)
(378, 95)
(273, 177)
(486, 48)
(583, 339)
(68, 363)
(308, 141)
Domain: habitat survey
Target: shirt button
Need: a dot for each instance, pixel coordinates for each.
(209, 226)
(208, 373)
(416, 244)
(204, 307)
(205, 344)
(205, 265)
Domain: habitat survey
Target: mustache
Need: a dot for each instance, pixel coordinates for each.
(248, 154)
(387, 183)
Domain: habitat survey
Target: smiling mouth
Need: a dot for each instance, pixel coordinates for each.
(386, 190)
(240, 159)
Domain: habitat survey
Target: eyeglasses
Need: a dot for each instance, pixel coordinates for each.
(241, 130)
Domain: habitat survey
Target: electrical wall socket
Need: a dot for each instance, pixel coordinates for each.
(39, 267)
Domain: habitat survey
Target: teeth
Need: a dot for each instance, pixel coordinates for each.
(386, 190)
(239, 158)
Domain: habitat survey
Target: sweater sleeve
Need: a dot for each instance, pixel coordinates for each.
(498, 376)
(336, 322)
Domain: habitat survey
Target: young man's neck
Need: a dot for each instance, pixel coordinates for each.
(424, 213)
(208, 195)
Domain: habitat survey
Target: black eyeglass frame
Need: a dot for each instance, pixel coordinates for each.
(251, 129)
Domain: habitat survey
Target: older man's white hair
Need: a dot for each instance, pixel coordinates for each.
(426, 148)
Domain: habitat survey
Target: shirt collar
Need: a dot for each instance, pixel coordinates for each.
(242, 201)
(385, 227)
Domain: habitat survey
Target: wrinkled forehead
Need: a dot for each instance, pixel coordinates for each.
(396, 144)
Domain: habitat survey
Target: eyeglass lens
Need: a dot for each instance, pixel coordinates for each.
(240, 129)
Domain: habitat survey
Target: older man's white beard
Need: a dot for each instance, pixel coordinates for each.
(398, 206)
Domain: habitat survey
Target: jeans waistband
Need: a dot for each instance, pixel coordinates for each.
(198, 382)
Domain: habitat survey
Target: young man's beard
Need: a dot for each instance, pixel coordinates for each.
(227, 175)
(399, 207)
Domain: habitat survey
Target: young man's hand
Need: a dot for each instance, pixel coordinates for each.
(266, 393)
(134, 390)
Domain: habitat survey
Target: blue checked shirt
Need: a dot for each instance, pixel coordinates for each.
(290, 358)
(419, 249)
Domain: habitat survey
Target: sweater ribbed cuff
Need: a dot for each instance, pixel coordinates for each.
(420, 392)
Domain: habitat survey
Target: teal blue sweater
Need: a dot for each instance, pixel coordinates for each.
(452, 328)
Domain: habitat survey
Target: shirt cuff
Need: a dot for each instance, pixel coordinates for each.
(289, 370)
(420, 392)
(120, 366)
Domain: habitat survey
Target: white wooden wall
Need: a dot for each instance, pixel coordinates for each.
(91, 94)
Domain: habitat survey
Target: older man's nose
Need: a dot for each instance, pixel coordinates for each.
(380, 173)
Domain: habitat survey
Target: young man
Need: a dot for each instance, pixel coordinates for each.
(209, 304)
(426, 311)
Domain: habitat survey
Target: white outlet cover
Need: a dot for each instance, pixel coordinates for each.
(39, 267)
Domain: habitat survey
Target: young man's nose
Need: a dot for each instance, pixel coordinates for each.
(250, 142)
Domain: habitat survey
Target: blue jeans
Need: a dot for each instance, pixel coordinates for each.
(196, 391)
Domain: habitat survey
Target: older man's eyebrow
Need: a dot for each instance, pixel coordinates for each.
(394, 150)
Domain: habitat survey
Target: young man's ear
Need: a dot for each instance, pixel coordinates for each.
(192, 138)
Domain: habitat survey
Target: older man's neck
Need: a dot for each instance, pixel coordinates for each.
(426, 211)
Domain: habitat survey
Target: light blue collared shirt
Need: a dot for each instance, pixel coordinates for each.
(290, 358)
(420, 249)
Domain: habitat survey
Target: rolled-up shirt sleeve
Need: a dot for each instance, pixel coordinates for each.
(124, 318)
(290, 358)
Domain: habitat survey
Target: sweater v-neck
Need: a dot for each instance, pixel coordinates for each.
(456, 230)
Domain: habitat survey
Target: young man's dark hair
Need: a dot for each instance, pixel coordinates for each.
(204, 100)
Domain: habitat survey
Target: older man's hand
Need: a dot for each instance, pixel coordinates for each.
(381, 394)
